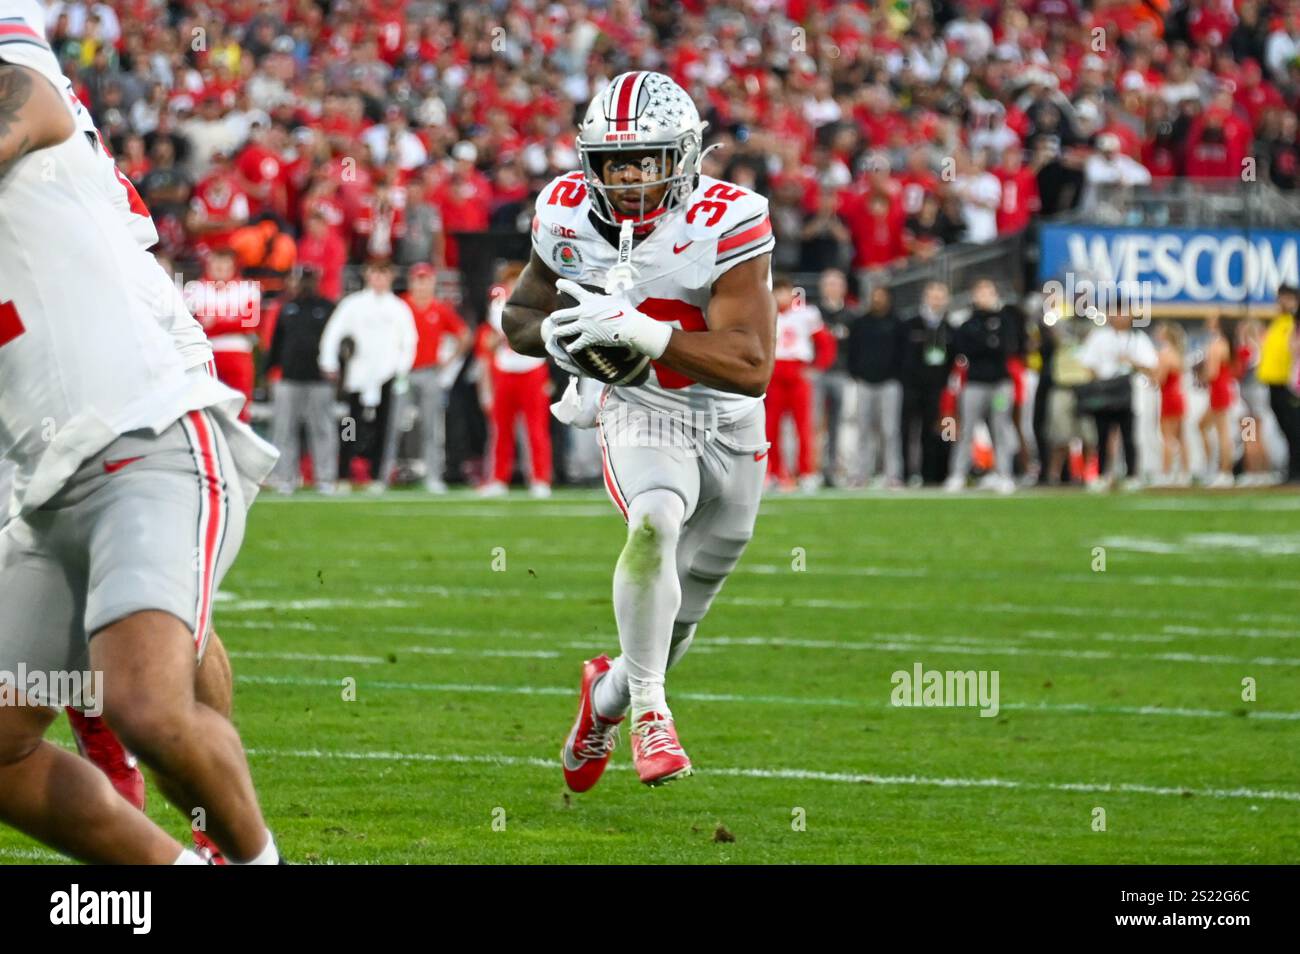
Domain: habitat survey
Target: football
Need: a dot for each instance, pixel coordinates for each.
(617, 365)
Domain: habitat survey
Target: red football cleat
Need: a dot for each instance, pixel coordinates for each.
(587, 749)
(207, 849)
(96, 742)
(656, 753)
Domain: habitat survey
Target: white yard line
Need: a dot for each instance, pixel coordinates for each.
(1135, 788)
(490, 689)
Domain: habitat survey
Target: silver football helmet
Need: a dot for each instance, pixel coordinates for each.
(646, 113)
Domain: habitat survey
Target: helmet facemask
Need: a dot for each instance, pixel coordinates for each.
(672, 166)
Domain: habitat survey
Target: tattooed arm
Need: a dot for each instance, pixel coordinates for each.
(533, 299)
(32, 115)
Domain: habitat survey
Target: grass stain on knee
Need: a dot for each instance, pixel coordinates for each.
(642, 556)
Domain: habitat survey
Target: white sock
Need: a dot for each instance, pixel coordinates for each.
(188, 857)
(267, 856)
(647, 595)
(611, 695)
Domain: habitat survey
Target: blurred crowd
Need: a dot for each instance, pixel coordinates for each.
(375, 128)
(282, 145)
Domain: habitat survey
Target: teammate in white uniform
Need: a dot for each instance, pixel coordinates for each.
(127, 470)
(685, 453)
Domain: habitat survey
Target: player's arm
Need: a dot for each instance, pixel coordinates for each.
(32, 114)
(737, 352)
(532, 300)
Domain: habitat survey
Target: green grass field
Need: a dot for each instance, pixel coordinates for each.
(1119, 689)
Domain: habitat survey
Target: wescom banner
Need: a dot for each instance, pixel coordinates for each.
(1179, 269)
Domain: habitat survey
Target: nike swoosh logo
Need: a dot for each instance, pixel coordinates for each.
(113, 466)
(612, 317)
(678, 249)
(759, 455)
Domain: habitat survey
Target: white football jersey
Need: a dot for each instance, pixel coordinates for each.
(83, 358)
(721, 226)
(151, 281)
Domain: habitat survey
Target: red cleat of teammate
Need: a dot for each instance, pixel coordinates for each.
(96, 742)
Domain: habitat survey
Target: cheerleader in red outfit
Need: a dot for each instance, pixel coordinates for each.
(1217, 374)
(1171, 341)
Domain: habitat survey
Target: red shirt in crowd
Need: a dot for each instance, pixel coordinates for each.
(1019, 198)
(433, 321)
(329, 254)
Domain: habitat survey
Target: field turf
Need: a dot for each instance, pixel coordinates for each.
(461, 624)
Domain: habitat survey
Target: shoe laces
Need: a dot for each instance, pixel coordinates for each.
(657, 738)
(600, 741)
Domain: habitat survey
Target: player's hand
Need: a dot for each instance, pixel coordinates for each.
(555, 346)
(609, 320)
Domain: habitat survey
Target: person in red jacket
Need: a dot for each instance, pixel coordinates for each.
(1019, 191)
(802, 342)
(322, 248)
(229, 310)
(442, 340)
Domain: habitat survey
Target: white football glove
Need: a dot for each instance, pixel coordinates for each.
(555, 347)
(608, 320)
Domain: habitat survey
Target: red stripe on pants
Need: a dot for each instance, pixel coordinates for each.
(211, 530)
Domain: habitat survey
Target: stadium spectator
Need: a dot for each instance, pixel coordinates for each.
(422, 240)
(322, 248)
(301, 397)
(980, 193)
(986, 340)
(1113, 353)
(926, 362)
(217, 208)
(875, 354)
(229, 309)
(520, 393)
(926, 233)
(1019, 200)
(1277, 365)
(1108, 171)
(836, 398)
(800, 342)
(381, 332)
(1256, 463)
(442, 339)
(1067, 427)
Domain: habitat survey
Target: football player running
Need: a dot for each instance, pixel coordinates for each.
(685, 453)
(121, 425)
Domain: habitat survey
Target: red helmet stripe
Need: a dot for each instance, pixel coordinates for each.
(624, 101)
